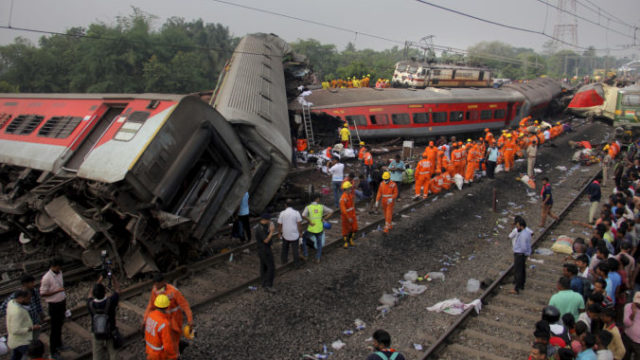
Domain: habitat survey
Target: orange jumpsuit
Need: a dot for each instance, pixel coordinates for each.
(348, 214)
(447, 180)
(614, 149)
(540, 138)
(423, 176)
(157, 335)
(458, 164)
(509, 153)
(443, 162)
(388, 191)
(177, 306)
(436, 184)
(523, 122)
(431, 153)
(472, 163)
(361, 153)
(489, 137)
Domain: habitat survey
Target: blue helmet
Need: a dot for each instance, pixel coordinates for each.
(326, 225)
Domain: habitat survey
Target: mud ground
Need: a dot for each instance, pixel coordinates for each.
(315, 304)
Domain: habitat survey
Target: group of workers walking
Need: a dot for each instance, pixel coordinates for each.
(355, 82)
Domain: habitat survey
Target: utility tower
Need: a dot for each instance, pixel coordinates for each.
(566, 28)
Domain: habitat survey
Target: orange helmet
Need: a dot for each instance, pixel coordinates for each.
(486, 130)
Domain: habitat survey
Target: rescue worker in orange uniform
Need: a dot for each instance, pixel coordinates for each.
(443, 161)
(457, 158)
(472, 162)
(431, 153)
(488, 136)
(348, 215)
(177, 305)
(157, 331)
(423, 177)
(502, 138)
(367, 158)
(509, 153)
(387, 192)
(436, 184)
(447, 180)
(540, 137)
(523, 122)
(521, 144)
(362, 151)
(345, 134)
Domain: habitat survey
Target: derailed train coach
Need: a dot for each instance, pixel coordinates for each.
(148, 177)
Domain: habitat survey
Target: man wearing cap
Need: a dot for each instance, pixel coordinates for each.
(509, 152)
(157, 331)
(387, 192)
(631, 334)
(178, 305)
(345, 134)
(362, 151)
(348, 215)
(315, 214)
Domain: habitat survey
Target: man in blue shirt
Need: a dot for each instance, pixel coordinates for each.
(492, 158)
(612, 279)
(570, 271)
(521, 245)
(396, 169)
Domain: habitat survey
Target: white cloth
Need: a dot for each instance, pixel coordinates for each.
(337, 172)
(289, 220)
(547, 135)
(52, 282)
(455, 306)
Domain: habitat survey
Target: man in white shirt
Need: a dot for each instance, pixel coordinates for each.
(337, 176)
(289, 226)
(52, 292)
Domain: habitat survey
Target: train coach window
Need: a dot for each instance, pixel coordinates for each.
(485, 115)
(130, 128)
(630, 100)
(59, 127)
(4, 118)
(456, 116)
(358, 120)
(421, 118)
(472, 115)
(24, 124)
(499, 114)
(439, 117)
(379, 119)
(400, 119)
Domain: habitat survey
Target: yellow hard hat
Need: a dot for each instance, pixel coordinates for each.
(535, 122)
(504, 131)
(346, 185)
(508, 135)
(521, 135)
(468, 140)
(606, 147)
(361, 142)
(162, 301)
(345, 125)
(558, 123)
(368, 75)
(386, 175)
(188, 332)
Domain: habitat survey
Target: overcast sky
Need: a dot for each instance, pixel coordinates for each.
(398, 20)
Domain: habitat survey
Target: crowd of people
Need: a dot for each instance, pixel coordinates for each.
(355, 82)
(594, 313)
(162, 323)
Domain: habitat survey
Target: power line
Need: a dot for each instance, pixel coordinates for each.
(512, 27)
(601, 11)
(133, 41)
(583, 18)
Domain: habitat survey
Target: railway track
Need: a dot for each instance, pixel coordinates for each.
(222, 275)
(504, 328)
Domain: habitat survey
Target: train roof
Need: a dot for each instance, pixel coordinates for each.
(83, 96)
(252, 91)
(337, 98)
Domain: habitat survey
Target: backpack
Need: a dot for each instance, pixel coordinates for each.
(382, 356)
(100, 324)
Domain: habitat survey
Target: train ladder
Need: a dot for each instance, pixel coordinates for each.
(308, 127)
(355, 127)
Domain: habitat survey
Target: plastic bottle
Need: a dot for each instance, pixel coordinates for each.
(435, 275)
(348, 332)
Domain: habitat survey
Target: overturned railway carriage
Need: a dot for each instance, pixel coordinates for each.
(147, 177)
(251, 95)
(381, 113)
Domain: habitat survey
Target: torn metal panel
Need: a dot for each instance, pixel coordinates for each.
(74, 224)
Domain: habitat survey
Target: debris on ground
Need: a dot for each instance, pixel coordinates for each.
(455, 306)
(544, 251)
(473, 285)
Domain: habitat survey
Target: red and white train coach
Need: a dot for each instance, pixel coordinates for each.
(102, 168)
(409, 113)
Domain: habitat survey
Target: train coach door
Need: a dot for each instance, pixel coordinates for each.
(94, 136)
